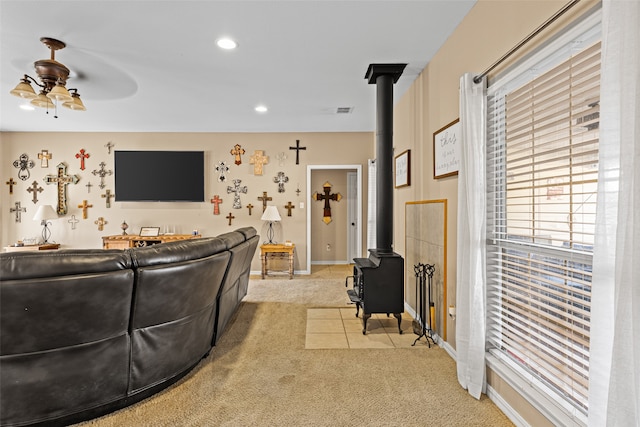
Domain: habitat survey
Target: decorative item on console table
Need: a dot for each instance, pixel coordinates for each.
(136, 241)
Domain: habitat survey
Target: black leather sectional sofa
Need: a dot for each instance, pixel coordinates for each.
(86, 332)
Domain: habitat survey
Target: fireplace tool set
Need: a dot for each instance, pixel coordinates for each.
(424, 278)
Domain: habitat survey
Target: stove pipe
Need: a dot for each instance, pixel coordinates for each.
(384, 76)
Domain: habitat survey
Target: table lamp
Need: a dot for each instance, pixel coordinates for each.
(45, 213)
(271, 214)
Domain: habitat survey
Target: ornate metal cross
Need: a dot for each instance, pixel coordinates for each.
(108, 195)
(82, 155)
(18, 210)
(326, 197)
(249, 206)
(297, 148)
(216, 204)
(89, 185)
(237, 151)
(280, 179)
(237, 189)
(288, 207)
(109, 146)
(101, 223)
(24, 164)
(264, 199)
(84, 206)
(35, 189)
(222, 169)
(281, 157)
(102, 172)
(258, 160)
(44, 157)
(73, 221)
(62, 179)
(230, 217)
(11, 183)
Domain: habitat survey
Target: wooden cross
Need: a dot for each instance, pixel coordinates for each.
(11, 183)
(216, 204)
(102, 172)
(288, 207)
(101, 223)
(258, 160)
(35, 189)
(281, 157)
(297, 148)
(326, 197)
(82, 155)
(230, 217)
(62, 179)
(73, 221)
(264, 199)
(84, 206)
(298, 190)
(18, 210)
(222, 168)
(108, 196)
(24, 164)
(237, 189)
(237, 151)
(109, 145)
(280, 179)
(89, 185)
(249, 206)
(44, 157)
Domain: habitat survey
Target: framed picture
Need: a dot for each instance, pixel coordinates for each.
(446, 150)
(149, 231)
(403, 169)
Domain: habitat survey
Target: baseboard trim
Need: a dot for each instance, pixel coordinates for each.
(512, 414)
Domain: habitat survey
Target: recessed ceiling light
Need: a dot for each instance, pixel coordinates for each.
(261, 109)
(27, 107)
(226, 43)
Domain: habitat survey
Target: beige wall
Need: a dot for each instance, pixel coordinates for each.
(354, 148)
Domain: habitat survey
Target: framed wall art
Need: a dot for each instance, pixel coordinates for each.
(446, 150)
(403, 169)
(149, 231)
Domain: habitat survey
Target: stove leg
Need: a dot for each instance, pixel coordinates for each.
(399, 317)
(357, 309)
(365, 317)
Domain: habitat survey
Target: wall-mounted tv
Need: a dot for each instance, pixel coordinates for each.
(159, 176)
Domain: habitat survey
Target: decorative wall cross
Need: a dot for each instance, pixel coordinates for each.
(258, 160)
(297, 148)
(62, 179)
(109, 145)
(281, 157)
(280, 179)
(108, 197)
(230, 217)
(216, 204)
(35, 189)
(84, 206)
(44, 157)
(264, 199)
(288, 207)
(102, 172)
(249, 206)
(82, 155)
(89, 185)
(24, 164)
(326, 197)
(237, 189)
(73, 221)
(18, 210)
(11, 183)
(101, 223)
(237, 151)
(298, 191)
(222, 169)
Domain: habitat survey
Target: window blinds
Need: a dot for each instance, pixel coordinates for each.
(542, 165)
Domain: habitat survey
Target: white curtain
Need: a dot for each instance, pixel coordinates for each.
(614, 376)
(471, 276)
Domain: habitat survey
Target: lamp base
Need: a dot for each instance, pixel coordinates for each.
(270, 235)
(46, 233)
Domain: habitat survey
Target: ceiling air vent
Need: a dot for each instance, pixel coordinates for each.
(344, 110)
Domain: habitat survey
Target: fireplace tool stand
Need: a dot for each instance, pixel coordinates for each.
(424, 311)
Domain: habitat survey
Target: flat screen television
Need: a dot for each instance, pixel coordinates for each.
(159, 176)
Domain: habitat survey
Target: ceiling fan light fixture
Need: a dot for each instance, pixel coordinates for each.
(75, 103)
(59, 93)
(24, 90)
(42, 101)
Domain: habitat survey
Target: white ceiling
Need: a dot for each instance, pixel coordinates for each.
(153, 66)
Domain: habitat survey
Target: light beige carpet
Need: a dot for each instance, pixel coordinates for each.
(260, 374)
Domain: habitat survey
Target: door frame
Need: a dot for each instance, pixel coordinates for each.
(358, 169)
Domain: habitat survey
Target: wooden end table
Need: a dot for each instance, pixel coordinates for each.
(279, 251)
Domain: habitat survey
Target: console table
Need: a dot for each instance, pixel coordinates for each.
(43, 247)
(133, 241)
(276, 251)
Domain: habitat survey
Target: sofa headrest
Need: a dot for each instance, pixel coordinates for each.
(178, 251)
(248, 232)
(232, 239)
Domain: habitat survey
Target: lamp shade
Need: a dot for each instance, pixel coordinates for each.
(75, 103)
(44, 213)
(42, 101)
(59, 93)
(24, 90)
(271, 214)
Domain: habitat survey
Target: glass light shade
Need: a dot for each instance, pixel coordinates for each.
(42, 101)
(271, 214)
(44, 213)
(24, 90)
(75, 103)
(59, 93)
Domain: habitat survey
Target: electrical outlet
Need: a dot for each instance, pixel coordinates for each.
(301, 205)
(328, 247)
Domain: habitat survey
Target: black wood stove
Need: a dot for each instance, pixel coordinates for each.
(378, 281)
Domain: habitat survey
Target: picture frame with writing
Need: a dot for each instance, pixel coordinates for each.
(446, 150)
